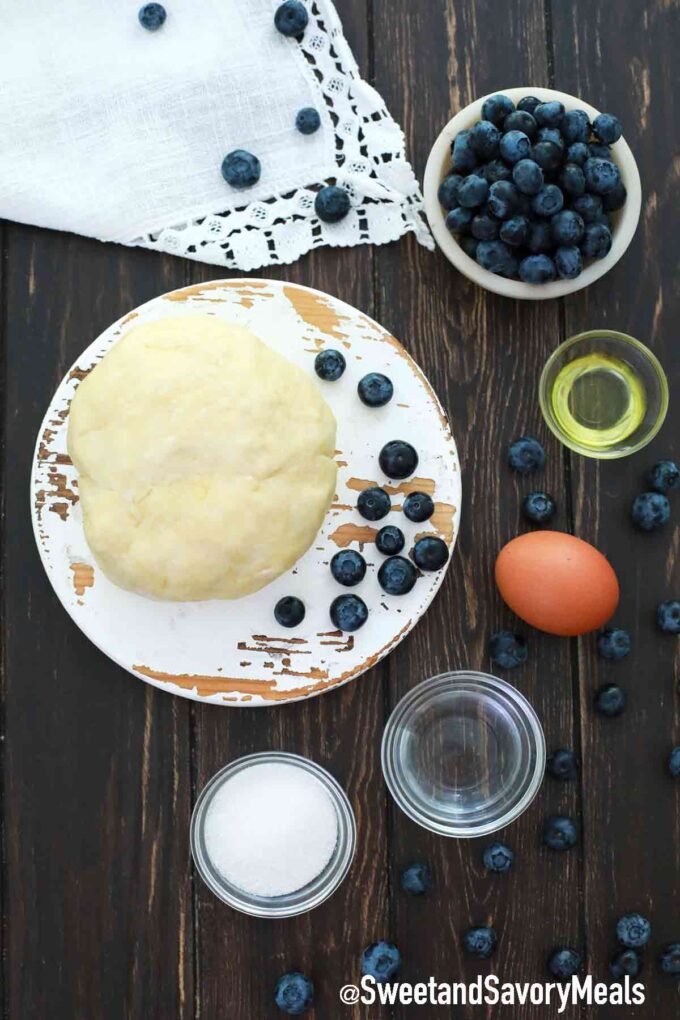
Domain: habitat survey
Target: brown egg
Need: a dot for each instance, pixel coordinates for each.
(557, 583)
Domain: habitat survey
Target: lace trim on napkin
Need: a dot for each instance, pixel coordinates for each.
(370, 164)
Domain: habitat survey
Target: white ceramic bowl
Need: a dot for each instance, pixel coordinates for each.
(438, 165)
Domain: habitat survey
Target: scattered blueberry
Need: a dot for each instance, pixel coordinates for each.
(674, 762)
(498, 857)
(664, 476)
(291, 18)
(575, 126)
(568, 262)
(503, 199)
(607, 128)
(374, 503)
(521, 120)
(668, 616)
(515, 145)
(515, 231)
(669, 959)
(472, 191)
(610, 700)
(528, 176)
(562, 764)
(633, 931)
(601, 175)
(547, 155)
(589, 207)
(577, 154)
(152, 16)
(307, 120)
(508, 650)
(495, 256)
(430, 553)
(480, 942)
(650, 511)
(332, 204)
(459, 219)
(448, 191)
(549, 114)
(418, 507)
(381, 961)
(375, 390)
(484, 227)
(484, 139)
(398, 459)
(526, 455)
(329, 365)
(397, 575)
(463, 156)
(390, 540)
(560, 833)
(572, 180)
(564, 963)
(416, 880)
(348, 567)
(539, 507)
(613, 643)
(496, 108)
(548, 201)
(529, 103)
(348, 612)
(294, 994)
(626, 963)
(289, 611)
(241, 169)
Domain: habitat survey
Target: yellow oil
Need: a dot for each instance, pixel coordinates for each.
(598, 401)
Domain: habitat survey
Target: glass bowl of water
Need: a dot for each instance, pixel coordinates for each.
(603, 394)
(463, 754)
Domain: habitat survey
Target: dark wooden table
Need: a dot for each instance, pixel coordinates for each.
(103, 916)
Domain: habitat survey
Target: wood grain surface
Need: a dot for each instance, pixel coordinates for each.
(103, 915)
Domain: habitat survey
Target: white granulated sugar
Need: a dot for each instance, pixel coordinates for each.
(271, 829)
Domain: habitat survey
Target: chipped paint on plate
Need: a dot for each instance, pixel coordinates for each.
(233, 652)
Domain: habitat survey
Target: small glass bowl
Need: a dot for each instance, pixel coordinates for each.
(463, 754)
(310, 895)
(645, 367)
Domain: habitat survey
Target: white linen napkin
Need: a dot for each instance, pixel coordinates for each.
(119, 133)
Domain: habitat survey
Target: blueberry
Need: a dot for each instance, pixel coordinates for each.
(390, 540)
(577, 153)
(375, 390)
(528, 176)
(448, 191)
(418, 507)
(515, 146)
(472, 191)
(668, 616)
(459, 219)
(615, 199)
(547, 155)
(397, 575)
(484, 138)
(374, 503)
(494, 256)
(597, 241)
(498, 857)
(331, 204)
(484, 227)
(625, 963)
(430, 553)
(669, 958)
(607, 128)
(348, 612)
(463, 156)
(610, 700)
(572, 180)
(613, 643)
(560, 833)
(329, 365)
(495, 170)
(152, 16)
(529, 103)
(539, 507)
(381, 961)
(549, 114)
(633, 931)
(600, 151)
(548, 201)
(526, 455)
(480, 942)
(416, 880)
(564, 963)
(568, 262)
(515, 231)
(307, 120)
(289, 611)
(503, 199)
(674, 762)
(567, 227)
(348, 567)
(537, 269)
(291, 18)
(540, 238)
(575, 126)
(496, 108)
(601, 175)
(469, 246)
(398, 459)
(520, 120)
(664, 476)
(507, 650)
(589, 207)
(241, 169)
(548, 134)
(294, 994)
(562, 764)
(650, 511)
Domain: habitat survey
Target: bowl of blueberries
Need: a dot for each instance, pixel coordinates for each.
(532, 193)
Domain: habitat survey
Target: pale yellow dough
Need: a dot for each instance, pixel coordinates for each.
(205, 460)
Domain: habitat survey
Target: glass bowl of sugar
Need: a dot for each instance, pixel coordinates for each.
(273, 834)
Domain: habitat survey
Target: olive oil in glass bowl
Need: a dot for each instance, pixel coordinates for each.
(603, 394)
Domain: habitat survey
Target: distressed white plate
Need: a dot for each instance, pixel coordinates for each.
(233, 652)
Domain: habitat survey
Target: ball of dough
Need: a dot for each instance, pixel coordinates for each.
(205, 460)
